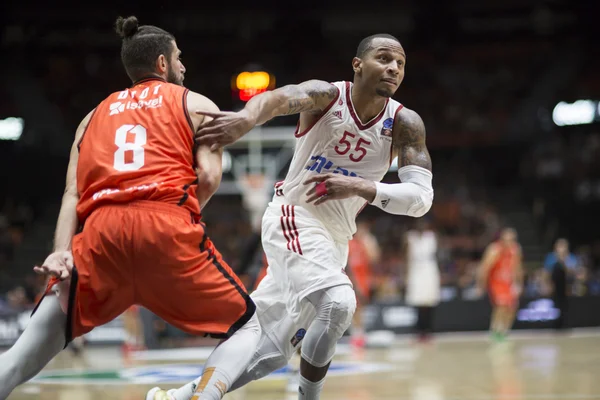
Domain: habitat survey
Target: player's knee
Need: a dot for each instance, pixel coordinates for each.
(341, 302)
(253, 327)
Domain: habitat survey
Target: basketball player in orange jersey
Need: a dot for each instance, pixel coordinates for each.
(363, 252)
(502, 274)
(133, 191)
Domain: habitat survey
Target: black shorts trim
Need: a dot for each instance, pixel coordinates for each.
(72, 293)
(250, 306)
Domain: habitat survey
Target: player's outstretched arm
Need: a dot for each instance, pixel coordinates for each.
(67, 223)
(60, 262)
(312, 96)
(226, 127)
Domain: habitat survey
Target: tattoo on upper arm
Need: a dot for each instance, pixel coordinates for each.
(409, 140)
(311, 96)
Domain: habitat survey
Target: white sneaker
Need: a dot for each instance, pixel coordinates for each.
(159, 394)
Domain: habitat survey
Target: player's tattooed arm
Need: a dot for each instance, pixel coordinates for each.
(311, 96)
(409, 140)
(226, 127)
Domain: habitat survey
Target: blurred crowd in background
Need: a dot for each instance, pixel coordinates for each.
(486, 98)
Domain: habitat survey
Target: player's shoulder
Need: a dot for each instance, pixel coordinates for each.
(197, 101)
(405, 116)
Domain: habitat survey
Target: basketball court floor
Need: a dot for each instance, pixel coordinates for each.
(530, 366)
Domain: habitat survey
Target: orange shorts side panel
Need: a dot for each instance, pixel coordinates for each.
(153, 255)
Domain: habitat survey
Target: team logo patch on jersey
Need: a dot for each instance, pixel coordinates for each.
(388, 124)
(298, 337)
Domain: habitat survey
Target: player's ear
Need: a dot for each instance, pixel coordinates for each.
(356, 64)
(162, 65)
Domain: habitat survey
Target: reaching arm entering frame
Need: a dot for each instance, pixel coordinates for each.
(226, 127)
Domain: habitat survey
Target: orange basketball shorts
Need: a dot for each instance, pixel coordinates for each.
(153, 255)
(502, 295)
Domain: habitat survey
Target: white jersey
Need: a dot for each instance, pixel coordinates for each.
(340, 143)
(422, 249)
(423, 280)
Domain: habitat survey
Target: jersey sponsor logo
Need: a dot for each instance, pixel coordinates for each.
(388, 125)
(338, 114)
(105, 192)
(179, 374)
(119, 107)
(384, 203)
(321, 164)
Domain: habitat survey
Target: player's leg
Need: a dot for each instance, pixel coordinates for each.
(42, 340)
(185, 281)
(266, 359)
(335, 307)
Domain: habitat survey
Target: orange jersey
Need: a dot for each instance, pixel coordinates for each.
(138, 145)
(504, 269)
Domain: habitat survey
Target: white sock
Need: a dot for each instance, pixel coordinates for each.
(310, 390)
(228, 362)
(187, 391)
(215, 383)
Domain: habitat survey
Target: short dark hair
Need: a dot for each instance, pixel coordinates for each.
(141, 46)
(366, 44)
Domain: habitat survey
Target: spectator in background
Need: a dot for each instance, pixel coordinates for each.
(559, 281)
(561, 246)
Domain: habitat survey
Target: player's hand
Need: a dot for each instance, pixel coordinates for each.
(335, 187)
(58, 265)
(224, 128)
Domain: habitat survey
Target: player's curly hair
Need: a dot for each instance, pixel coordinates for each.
(141, 46)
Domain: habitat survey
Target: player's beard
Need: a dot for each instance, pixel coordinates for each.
(384, 92)
(173, 77)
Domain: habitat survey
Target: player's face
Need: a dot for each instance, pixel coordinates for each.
(176, 70)
(509, 236)
(383, 66)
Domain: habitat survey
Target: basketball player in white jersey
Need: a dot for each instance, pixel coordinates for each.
(347, 136)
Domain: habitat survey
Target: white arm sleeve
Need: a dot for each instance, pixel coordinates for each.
(412, 197)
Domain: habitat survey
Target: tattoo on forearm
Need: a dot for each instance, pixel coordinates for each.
(296, 106)
(311, 96)
(409, 141)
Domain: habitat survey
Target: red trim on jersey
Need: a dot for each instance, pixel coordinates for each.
(290, 231)
(283, 227)
(400, 107)
(289, 226)
(355, 117)
(296, 229)
(304, 132)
